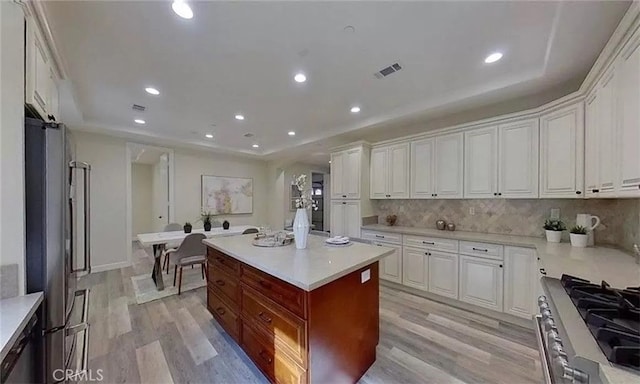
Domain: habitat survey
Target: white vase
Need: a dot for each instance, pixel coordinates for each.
(301, 228)
(578, 240)
(553, 236)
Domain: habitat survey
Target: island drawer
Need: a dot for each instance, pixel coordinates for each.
(219, 259)
(283, 293)
(225, 285)
(225, 316)
(276, 366)
(286, 330)
(395, 238)
(434, 243)
(490, 251)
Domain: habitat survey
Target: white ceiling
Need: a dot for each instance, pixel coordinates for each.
(240, 57)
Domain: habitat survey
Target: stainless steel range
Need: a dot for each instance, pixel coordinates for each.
(588, 331)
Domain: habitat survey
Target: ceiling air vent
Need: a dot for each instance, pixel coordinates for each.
(137, 107)
(387, 71)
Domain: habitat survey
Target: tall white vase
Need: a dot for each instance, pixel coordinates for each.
(301, 228)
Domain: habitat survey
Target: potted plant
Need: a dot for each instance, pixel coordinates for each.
(305, 201)
(578, 236)
(187, 227)
(225, 224)
(206, 216)
(553, 230)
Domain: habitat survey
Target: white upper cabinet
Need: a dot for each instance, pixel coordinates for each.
(518, 159)
(37, 71)
(346, 174)
(422, 165)
(337, 175)
(562, 152)
(481, 163)
(628, 102)
(390, 172)
(449, 166)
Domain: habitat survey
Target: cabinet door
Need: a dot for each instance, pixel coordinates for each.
(351, 174)
(606, 135)
(629, 119)
(337, 175)
(443, 274)
(481, 162)
(481, 282)
(379, 173)
(422, 166)
(561, 152)
(352, 219)
(415, 265)
(37, 71)
(337, 218)
(449, 161)
(591, 153)
(518, 159)
(520, 275)
(391, 266)
(398, 171)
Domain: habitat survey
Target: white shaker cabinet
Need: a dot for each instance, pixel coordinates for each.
(390, 172)
(379, 172)
(518, 159)
(345, 218)
(391, 266)
(481, 282)
(448, 174)
(443, 274)
(481, 162)
(422, 165)
(562, 152)
(346, 174)
(37, 71)
(520, 281)
(415, 264)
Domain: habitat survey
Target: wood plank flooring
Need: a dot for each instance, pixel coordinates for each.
(176, 340)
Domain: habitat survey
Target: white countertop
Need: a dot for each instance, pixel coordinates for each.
(147, 239)
(618, 268)
(308, 268)
(15, 312)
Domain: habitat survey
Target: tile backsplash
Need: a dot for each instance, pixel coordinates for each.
(620, 218)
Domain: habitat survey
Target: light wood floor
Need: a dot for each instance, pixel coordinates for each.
(176, 340)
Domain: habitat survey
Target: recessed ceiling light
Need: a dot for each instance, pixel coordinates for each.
(140, 121)
(152, 91)
(291, 133)
(355, 109)
(300, 78)
(492, 58)
(239, 117)
(182, 9)
(255, 146)
(208, 136)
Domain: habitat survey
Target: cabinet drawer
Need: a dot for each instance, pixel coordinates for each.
(491, 251)
(222, 261)
(225, 285)
(276, 366)
(225, 316)
(283, 293)
(395, 238)
(286, 330)
(434, 243)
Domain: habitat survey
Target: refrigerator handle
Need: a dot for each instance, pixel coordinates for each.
(86, 169)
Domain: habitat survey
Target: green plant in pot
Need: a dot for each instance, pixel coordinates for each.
(553, 230)
(187, 227)
(578, 236)
(206, 217)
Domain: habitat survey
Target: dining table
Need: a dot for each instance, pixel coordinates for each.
(159, 241)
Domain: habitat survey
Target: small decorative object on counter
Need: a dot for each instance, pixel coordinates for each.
(391, 220)
(276, 239)
(451, 227)
(578, 235)
(553, 230)
(301, 222)
(187, 227)
(225, 224)
(441, 225)
(206, 216)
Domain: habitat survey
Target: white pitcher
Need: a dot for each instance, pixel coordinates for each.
(590, 222)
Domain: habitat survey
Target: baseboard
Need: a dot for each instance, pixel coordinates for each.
(108, 267)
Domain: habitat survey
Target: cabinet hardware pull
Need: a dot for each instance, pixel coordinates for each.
(265, 358)
(495, 193)
(344, 195)
(380, 236)
(265, 284)
(429, 242)
(428, 253)
(220, 310)
(578, 192)
(220, 282)
(500, 265)
(264, 318)
(344, 202)
(480, 249)
(542, 271)
(595, 190)
(499, 193)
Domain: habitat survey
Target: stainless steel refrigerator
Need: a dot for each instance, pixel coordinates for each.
(54, 182)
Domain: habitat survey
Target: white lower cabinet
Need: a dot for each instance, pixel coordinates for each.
(391, 266)
(415, 265)
(520, 281)
(481, 282)
(443, 274)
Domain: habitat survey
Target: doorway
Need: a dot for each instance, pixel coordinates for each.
(317, 194)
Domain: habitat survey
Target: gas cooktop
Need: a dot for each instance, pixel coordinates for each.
(612, 315)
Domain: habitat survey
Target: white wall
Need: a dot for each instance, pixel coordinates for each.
(12, 236)
(141, 196)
